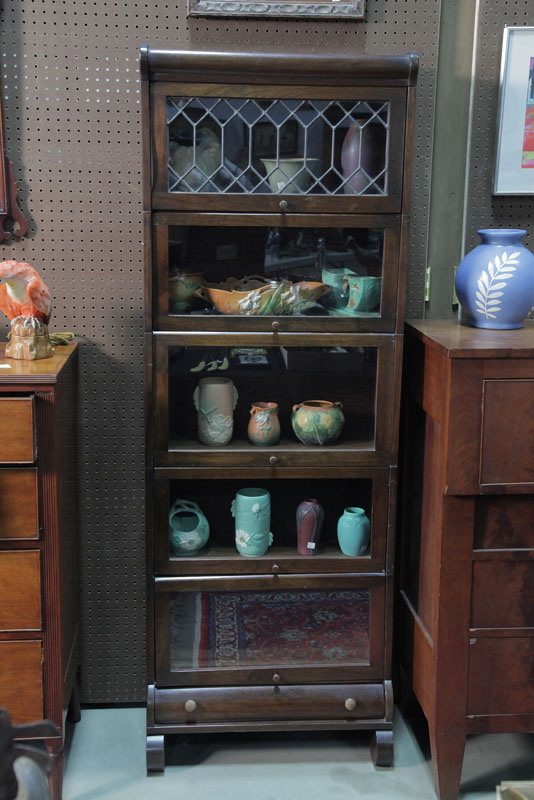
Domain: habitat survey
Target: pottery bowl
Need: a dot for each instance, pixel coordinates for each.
(288, 175)
(255, 296)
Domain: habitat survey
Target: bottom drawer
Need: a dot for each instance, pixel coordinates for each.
(21, 680)
(245, 704)
(501, 676)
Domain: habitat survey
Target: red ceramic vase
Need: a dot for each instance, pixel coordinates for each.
(310, 516)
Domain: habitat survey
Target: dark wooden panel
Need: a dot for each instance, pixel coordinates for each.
(19, 517)
(20, 590)
(503, 594)
(501, 676)
(17, 436)
(21, 680)
(502, 522)
(242, 703)
(507, 432)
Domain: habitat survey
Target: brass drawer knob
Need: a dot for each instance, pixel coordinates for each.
(273, 460)
(190, 706)
(350, 703)
(283, 205)
(276, 568)
(276, 678)
(275, 325)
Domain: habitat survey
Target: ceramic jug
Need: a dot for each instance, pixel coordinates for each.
(310, 516)
(188, 528)
(353, 531)
(215, 400)
(317, 421)
(264, 425)
(252, 511)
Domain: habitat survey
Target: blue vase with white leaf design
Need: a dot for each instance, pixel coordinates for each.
(495, 281)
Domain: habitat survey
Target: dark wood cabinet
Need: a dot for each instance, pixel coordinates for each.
(39, 631)
(466, 577)
(249, 188)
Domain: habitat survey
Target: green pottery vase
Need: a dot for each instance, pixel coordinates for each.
(189, 529)
(317, 421)
(353, 531)
(252, 511)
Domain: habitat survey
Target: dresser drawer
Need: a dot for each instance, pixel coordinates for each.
(17, 430)
(21, 680)
(20, 590)
(19, 513)
(501, 676)
(246, 704)
(503, 594)
(504, 521)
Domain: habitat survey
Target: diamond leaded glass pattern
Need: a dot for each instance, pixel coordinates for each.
(238, 145)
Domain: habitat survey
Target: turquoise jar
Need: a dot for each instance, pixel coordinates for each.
(252, 511)
(353, 531)
(189, 529)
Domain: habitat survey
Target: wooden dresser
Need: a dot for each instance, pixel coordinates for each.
(466, 578)
(38, 553)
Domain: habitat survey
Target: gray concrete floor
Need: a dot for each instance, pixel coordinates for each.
(105, 758)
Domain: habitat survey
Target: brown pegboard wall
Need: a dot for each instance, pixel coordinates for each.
(72, 118)
(485, 210)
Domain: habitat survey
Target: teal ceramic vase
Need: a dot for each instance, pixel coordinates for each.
(353, 531)
(252, 511)
(335, 277)
(188, 528)
(317, 421)
(364, 293)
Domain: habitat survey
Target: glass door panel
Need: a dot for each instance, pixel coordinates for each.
(220, 400)
(196, 532)
(291, 146)
(243, 275)
(213, 635)
(301, 146)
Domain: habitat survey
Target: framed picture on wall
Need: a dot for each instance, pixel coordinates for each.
(514, 167)
(301, 9)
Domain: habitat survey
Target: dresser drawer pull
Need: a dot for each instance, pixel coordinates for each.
(273, 460)
(276, 678)
(276, 569)
(283, 205)
(350, 703)
(190, 706)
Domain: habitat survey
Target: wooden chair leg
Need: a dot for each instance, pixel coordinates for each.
(55, 779)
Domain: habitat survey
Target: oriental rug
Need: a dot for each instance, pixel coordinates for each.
(243, 629)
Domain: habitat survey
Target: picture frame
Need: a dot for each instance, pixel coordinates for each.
(264, 139)
(302, 9)
(514, 158)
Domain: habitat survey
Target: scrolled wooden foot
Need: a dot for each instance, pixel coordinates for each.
(155, 754)
(382, 749)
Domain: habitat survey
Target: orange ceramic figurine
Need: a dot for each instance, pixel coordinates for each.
(25, 300)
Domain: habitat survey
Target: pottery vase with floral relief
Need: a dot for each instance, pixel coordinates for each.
(215, 400)
(264, 425)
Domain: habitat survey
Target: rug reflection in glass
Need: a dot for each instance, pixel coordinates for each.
(264, 628)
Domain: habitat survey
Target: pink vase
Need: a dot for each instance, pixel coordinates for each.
(358, 153)
(310, 515)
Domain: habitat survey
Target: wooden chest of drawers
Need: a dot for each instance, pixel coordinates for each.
(38, 554)
(466, 606)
